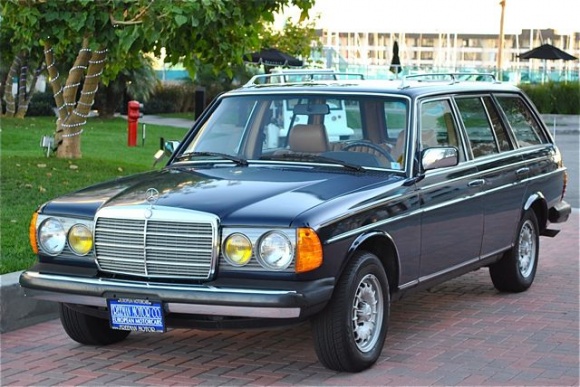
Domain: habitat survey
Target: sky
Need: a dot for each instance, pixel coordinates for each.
(446, 16)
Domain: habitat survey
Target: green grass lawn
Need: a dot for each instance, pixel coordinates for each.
(29, 178)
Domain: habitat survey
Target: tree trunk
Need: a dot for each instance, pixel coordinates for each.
(72, 114)
(8, 96)
(22, 92)
(109, 99)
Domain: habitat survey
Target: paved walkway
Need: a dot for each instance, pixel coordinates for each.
(460, 333)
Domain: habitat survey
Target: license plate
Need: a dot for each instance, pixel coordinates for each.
(136, 315)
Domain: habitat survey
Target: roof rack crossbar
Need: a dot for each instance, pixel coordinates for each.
(455, 77)
(308, 76)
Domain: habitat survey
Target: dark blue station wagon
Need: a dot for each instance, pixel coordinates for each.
(322, 200)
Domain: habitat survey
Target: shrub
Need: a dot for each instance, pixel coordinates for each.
(168, 98)
(41, 105)
(554, 97)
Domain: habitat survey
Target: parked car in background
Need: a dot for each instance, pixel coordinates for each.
(438, 178)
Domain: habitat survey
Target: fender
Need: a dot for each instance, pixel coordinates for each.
(388, 242)
(532, 198)
(542, 216)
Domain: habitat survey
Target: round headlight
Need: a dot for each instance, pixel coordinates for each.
(51, 236)
(237, 249)
(80, 239)
(275, 251)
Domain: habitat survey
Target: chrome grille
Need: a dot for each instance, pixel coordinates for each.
(156, 247)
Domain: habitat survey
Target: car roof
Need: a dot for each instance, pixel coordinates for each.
(411, 87)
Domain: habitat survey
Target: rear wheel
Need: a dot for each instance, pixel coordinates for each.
(86, 329)
(516, 271)
(350, 332)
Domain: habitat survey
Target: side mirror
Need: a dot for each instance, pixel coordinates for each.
(169, 147)
(167, 150)
(440, 157)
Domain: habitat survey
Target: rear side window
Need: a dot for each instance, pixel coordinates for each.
(525, 127)
(479, 130)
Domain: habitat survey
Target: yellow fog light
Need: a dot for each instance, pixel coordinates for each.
(237, 249)
(80, 239)
(308, 250)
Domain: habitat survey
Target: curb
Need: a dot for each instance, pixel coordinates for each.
(18, 311)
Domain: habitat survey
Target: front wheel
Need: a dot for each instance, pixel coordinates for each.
(86, 329)
(516, 270)
(350, 332)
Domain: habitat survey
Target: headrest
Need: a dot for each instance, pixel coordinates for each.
(308, 138)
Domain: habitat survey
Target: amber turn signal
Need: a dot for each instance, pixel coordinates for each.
(32, 233)
(308, 250)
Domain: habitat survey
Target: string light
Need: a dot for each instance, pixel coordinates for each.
(72, 134)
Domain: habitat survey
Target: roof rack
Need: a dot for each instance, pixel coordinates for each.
(301, 76)
(454, 77)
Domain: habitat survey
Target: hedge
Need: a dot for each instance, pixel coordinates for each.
(554, 97)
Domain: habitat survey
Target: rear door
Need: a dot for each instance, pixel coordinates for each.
(501, 170)
(452, 214)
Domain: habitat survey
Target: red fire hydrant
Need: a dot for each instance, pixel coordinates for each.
(133, 115)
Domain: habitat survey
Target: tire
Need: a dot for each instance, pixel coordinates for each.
(90, 330)
(350, 332)
(516, 270)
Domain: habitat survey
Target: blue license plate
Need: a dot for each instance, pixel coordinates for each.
(136, 315)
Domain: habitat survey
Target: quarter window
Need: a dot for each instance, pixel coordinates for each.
(525, 127)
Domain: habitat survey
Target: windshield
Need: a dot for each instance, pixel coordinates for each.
(366, 131)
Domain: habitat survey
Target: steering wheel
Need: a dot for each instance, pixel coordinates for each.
(383, 152)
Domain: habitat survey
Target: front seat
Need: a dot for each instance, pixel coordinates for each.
(308, 139)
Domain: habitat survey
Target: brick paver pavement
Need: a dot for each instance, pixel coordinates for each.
(460, 333)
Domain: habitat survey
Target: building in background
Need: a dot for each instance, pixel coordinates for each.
(371, 53)
(448, 35)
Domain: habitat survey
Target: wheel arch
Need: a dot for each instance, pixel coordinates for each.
(382, 245)
(537, 203)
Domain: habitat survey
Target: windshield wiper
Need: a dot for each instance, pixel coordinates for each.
(224, 156)
(313, 157)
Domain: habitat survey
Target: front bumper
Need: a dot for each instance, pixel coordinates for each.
(236, 299)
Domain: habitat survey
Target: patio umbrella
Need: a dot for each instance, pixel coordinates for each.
(546, 52)
(273, 57)
(396, 61)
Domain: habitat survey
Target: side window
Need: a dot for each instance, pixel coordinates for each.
(479, 130)
(395, 118)
(436, 125)
(525, 127)
(498, 126)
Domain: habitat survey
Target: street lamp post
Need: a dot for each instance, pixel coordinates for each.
(501, 40)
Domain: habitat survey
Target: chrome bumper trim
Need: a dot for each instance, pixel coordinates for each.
(51, 283)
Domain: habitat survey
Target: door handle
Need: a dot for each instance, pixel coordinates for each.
(522, 171)
(476, 183)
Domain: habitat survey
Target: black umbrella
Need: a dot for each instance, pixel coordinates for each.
(546, 52)
(396, 61)
(273, 57)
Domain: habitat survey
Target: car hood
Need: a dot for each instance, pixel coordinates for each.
(237, 195)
